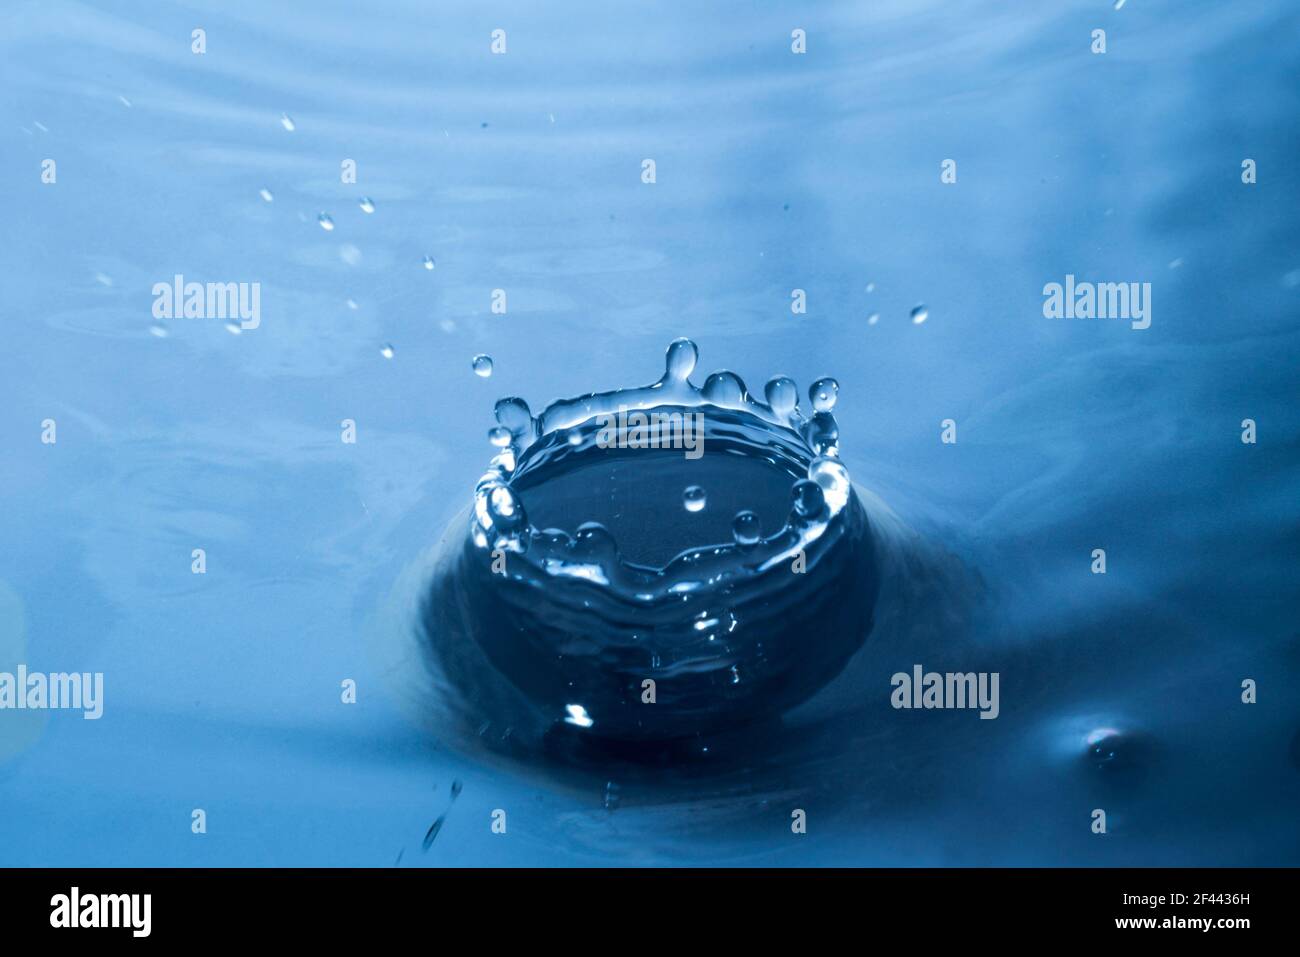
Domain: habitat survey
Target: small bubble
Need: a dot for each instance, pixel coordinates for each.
(350, 254)
(871, 287)
(287, 122)
(428, 262)
(158, 331)
(920, 314)
(233, 328)
(352, 304)
(326, 223)
(386, 351)
(266, 195)
(482, 365)
(873, 318)
(693, 498)
(447, 326)
(103, 280)
(367, 204)
(1176, 263)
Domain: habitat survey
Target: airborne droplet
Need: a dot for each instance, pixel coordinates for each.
(920, 314)
(326, 222)
(694, 498)
(823, 394)
(482, 365)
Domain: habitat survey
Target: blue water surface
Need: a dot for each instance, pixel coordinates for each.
(774, 171)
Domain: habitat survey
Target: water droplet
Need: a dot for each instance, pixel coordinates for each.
(808, 498)
(822, 432)
(1122, 757)
(287, 122)
(266, 195)
(724, 389)
(1176, 263)
(352, 304)
(447, 326)
(594, 542)
(871, 287)
(499, 436)
(428, 262)
(326, 223)
(611, 796)
(233, 328)
(514, 414)
(823, 394)
(873, 318)
(505, 508)
(482, 365)
(746, 528)
(158, 331)
(103, 280)
(782, 395)
(920, 314)
(367, 204)
(578, 716)
(350, 254)
(386, 351)
(1119, 4)
(694, 498)
(834, 480)
(680, 360)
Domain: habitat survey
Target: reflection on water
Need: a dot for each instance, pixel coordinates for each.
(521, 174)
